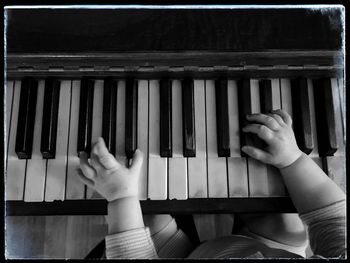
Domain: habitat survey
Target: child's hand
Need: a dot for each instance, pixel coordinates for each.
(107, 176)
(276, 130)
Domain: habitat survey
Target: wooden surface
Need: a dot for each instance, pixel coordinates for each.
(88, 30)
(53, 236)
(74, 236)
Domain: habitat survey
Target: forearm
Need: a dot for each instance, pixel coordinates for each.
(124, 214)
(308, 186)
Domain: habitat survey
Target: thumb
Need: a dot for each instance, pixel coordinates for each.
(106, 159)
(137, 160)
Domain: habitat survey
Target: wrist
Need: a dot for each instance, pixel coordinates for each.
(124, 214)
(120, 201)
(119, 196)
(293, 160)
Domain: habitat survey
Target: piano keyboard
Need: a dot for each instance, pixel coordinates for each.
(189, 131)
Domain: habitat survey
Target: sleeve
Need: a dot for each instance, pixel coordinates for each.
(136, 243)
(172, 242)
(327, 228)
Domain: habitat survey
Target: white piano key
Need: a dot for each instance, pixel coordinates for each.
(217, 172)
(341, 95)
(235, 145)
(286, 96)
(75, 188)
(314, 153)
(236, 165)
(120, 129)
(217, 178)
(258, 176)
(197, 177)
(177, 164)
(336, 165)
(276, 94)
(157, 166)
(178, 178)
(96, 127)
(36, 166)
(142, 135)
(200, 118)
(56, 168)
(9, 97)
(157, 184)
(338, 90)
(237, 177)
(197, 167)
(16, 168)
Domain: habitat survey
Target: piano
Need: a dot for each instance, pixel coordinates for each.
(177, 84)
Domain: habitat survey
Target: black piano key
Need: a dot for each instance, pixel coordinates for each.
(109, 114)
(85, 115)
(265, 91)
(131, 95)
(302, 114)
(222, 122)
(26, 118)
(188, 118)
(49, 121)
(325, 117)
(166, 149)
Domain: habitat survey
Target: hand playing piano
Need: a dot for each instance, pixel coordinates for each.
(107, 176)
(276, 130)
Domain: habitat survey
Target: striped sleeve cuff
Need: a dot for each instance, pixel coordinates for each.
(178, 246)
(334, 210)
(135, 243)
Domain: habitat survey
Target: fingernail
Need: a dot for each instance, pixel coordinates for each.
(82, 154)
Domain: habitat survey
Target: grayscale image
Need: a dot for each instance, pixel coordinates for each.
(175, 132)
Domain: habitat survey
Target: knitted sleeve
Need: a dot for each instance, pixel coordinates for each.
(327, 230)
(136, 243)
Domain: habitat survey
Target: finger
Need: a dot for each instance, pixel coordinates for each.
(285, 116)
(85, 167)
(268, 121)
(256, 153)
(261, 130)
(105, 158)
(85, 180)
(137, 160)
(278, 118)
(95, 163)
